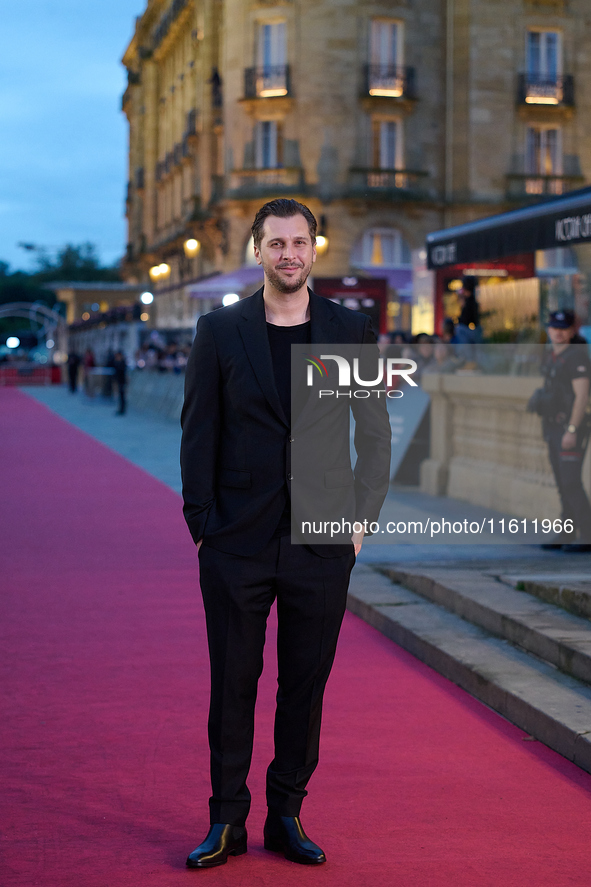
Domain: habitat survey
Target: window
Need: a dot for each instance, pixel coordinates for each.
(554, 262)
(543, 158)
(382, 248)
(271, 60)
(386, 144)
(268, 144)
(384, 43)
(271, 45)
(386, 75)
(543, 154)
(544, 56)
(544, 80)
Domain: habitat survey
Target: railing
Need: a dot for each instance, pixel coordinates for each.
(536, 90)
(390, 81)
(255, 182)
(378, 181)
(267, 82)
(28, 374)
(534, 185)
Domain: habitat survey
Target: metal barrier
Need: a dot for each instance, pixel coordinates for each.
(29, 374)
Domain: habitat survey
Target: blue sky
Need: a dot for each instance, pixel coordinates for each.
(63, 138)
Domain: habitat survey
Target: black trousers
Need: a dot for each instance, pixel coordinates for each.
(122, 401)
(567, 466)
(238, 592)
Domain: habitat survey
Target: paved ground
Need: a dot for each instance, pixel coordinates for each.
(153, 444)
(104, 684)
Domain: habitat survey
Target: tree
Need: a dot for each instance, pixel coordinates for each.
(73, 262)
(76, 263)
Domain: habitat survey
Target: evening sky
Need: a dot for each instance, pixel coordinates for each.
(63, 165)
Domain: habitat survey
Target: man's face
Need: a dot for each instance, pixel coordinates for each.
(286, 252)
(560, 337)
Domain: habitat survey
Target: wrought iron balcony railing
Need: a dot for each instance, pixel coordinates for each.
(376, 182)
(538, 90)
(524, 185)
(259, 182)
(267, 82)
(390, 81)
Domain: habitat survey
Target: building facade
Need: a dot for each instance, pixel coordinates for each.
(389, 119)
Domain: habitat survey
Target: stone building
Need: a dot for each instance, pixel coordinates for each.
(389, 119)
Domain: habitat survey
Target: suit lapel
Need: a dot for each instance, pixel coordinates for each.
(324, 325)
(324, 328)
(253, 330)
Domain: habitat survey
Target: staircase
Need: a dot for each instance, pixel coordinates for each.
(522, 645)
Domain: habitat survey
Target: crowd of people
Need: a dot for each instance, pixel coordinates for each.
(170, 358)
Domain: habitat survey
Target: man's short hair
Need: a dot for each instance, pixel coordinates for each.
(283, 208)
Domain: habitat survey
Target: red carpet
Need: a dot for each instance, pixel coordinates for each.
(105, 683)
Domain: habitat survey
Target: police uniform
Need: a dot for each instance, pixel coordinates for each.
(559, 371)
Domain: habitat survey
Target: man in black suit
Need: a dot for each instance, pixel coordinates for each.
(238, 430)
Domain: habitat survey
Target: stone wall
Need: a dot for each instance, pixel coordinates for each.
(160, 394)
(486, 449)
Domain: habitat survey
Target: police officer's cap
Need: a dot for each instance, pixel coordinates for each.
(561, 320)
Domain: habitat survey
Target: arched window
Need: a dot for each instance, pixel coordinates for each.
(381, 248)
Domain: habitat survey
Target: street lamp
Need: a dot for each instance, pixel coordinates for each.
(160, 272)
(146, 298)
(322, 237)
(191, 247)
(230, 298)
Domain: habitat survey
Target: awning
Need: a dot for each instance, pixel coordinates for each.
(399, 279)
(560, 221)
(249, 276)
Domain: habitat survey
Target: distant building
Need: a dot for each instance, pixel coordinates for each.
(85, 301)
(389, 119)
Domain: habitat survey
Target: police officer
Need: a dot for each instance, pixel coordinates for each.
(566, 424)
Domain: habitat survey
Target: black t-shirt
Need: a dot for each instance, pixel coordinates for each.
(281, 338)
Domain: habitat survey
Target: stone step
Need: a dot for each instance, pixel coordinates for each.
(571, 592)
(549, 705)
(547, 631)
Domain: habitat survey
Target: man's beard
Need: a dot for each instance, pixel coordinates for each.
(287, 286)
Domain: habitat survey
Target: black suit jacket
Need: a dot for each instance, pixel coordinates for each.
(236, 442)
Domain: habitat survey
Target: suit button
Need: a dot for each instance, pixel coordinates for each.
(291, 439)
(290, 476)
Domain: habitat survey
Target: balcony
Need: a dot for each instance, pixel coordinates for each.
(390, 81)
(267, 82)
(389, 183)
(535, 90)
(530, 185)
(255, 183)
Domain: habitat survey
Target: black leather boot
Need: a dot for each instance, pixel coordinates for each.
(222, 841)
(285, 834)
